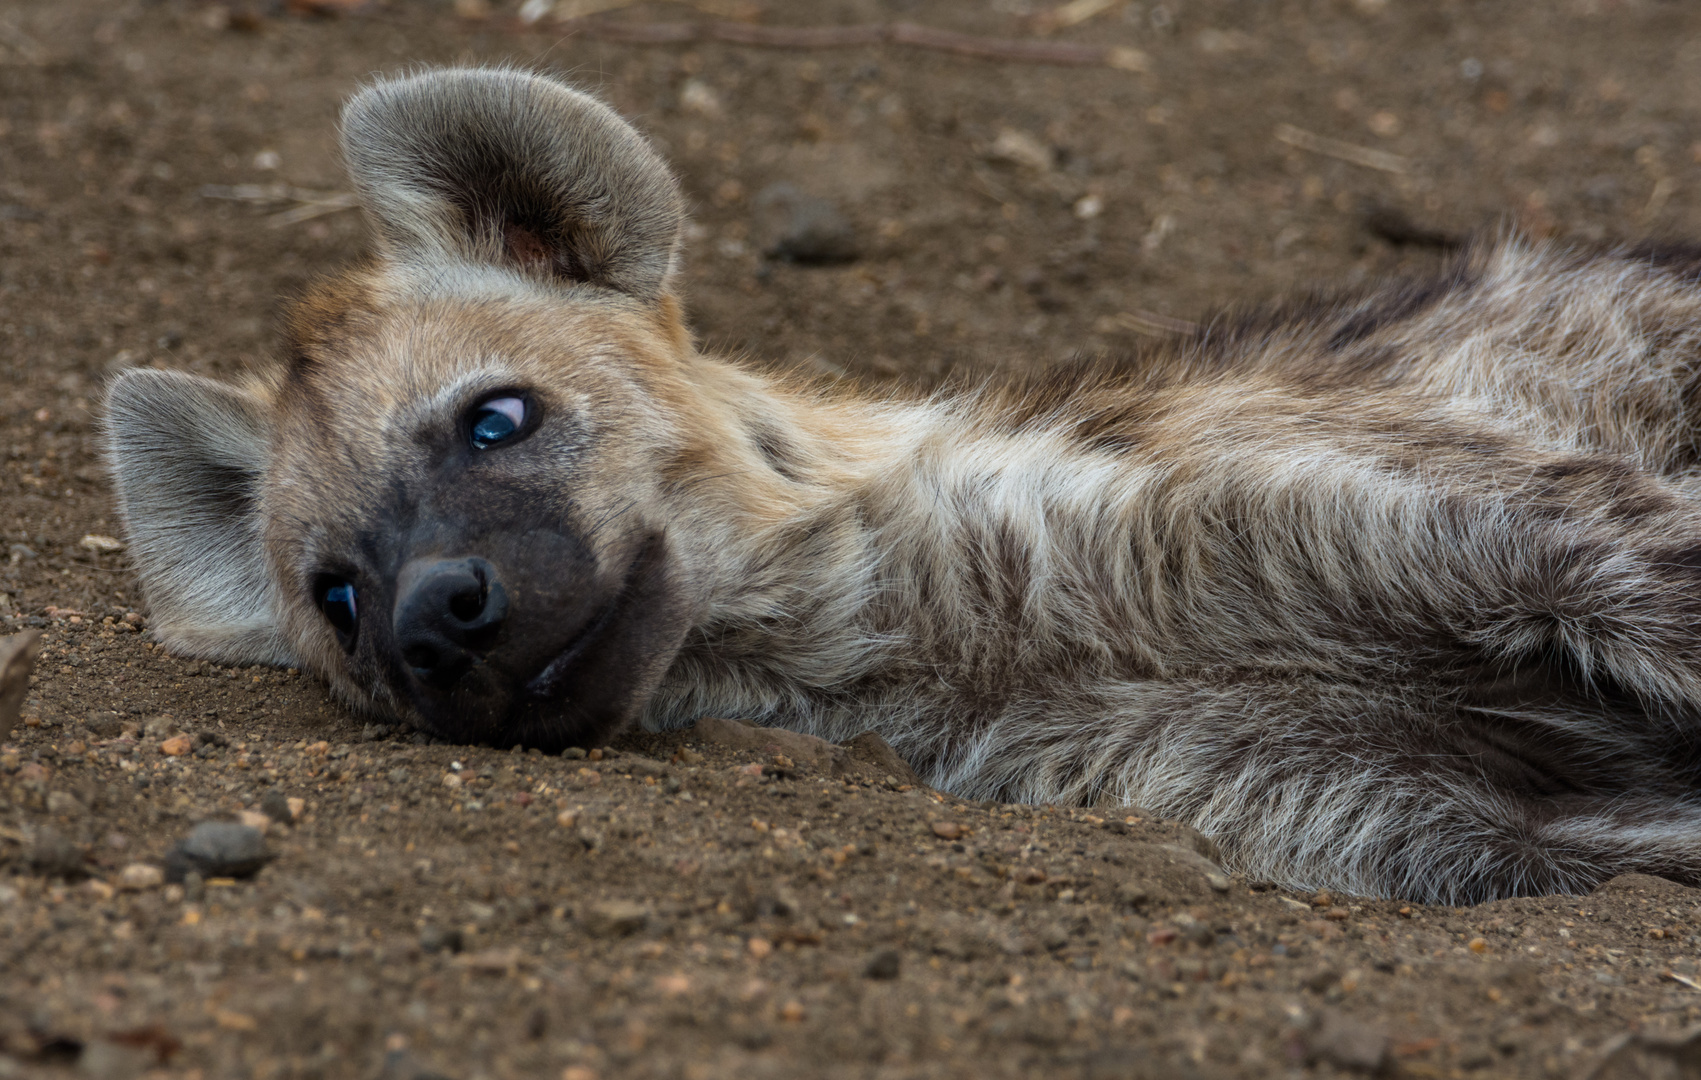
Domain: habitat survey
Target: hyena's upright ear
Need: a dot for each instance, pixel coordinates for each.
(187, 456)
(504, 167)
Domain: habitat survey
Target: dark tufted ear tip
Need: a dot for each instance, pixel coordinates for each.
(502, 167)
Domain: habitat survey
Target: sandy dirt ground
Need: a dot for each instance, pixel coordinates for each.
(722, 903)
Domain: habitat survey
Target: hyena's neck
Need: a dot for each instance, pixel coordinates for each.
(929, 563)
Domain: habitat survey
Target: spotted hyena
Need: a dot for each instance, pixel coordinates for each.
(1397, 592)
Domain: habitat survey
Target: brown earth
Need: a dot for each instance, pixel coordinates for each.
(666, 911)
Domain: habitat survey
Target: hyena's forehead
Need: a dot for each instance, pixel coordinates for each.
(385, 368)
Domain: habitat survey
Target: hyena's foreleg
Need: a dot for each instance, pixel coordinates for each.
(1345, 562)
(1353, 786)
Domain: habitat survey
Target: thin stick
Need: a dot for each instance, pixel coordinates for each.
(1343, 151)
(1151, 324)
(1075, 11)
(309, 204)
(911, 35)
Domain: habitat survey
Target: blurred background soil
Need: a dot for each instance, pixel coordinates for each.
(883, 214)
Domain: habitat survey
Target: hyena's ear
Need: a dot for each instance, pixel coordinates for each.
(187, 456)
(495, 166)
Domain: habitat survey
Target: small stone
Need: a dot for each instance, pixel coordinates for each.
(1133, 895)
(104, 1060)
(436, 939)
(296, 807)
(51, 853)
(759, 948)
(256, 819)
(948, 830)
(615, 918)
(105, 545)
(493, 961)
(884, 965)
(798, 227)
(1218, 882)
(139, 877)
(17, 659)
(275, 806)
(177, 746)
(1020, 148)
(1348, 1044)
(699, 97)
(64, 804)
(218, 849)
(793, 1011)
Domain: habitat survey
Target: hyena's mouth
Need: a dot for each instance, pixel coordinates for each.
(557, 676)
(534, 692)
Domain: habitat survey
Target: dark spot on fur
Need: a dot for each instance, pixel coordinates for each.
(1682, 259)
(777, 451)
(1395, 305)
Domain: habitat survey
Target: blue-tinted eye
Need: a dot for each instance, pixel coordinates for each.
(337, 599)
(496, 421)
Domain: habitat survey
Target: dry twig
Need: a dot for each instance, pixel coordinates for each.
(1151, 324)
(911, 35)
(1071, 13)
(1342, 151)
(309, 204)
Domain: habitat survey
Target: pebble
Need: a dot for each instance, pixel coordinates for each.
(256, 819)
(615, 918)
(64, 804)
(1348, 1044)
(52, 853)
(138, 877)
(103, 544)
(883, 965)
(176, 746)
(218, 849)
(435, 939)
(798, 227)
(275, 806)
(17, 659)
(948, 830)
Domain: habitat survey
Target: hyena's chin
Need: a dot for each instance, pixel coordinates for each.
(538, 678)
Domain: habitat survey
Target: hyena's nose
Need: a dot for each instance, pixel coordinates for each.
(448, 612)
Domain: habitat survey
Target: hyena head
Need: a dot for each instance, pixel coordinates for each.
(457, 498)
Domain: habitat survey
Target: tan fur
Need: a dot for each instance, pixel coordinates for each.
(1396, 592)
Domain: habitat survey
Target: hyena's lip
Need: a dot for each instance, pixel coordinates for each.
(552, 681)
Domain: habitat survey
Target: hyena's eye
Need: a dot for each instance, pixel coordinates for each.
(336, 597)
(496, 421)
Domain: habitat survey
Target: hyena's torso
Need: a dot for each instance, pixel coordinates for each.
(1395, 593)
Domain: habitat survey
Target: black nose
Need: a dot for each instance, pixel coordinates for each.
(448, 612)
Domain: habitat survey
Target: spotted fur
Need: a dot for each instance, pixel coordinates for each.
(1394, 592)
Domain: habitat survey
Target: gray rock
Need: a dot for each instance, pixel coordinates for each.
(275, 805)
(884, 965)
(218, 849)
(802, 228)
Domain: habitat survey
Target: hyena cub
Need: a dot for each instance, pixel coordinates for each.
(1397, 593)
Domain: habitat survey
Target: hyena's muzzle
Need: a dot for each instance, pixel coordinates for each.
(521, 634)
